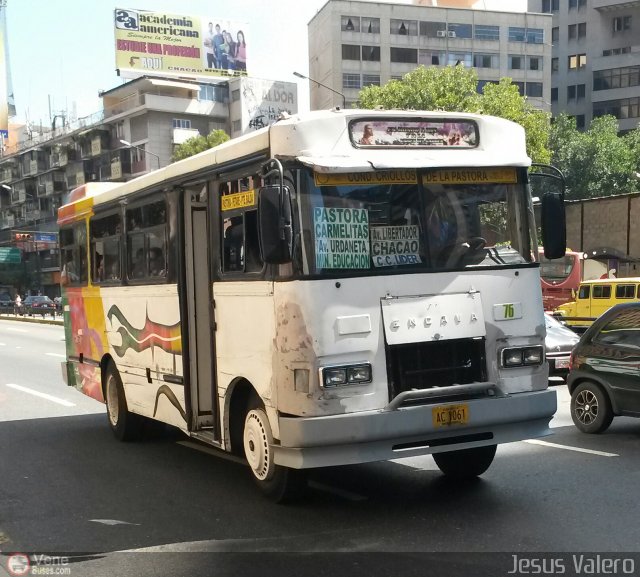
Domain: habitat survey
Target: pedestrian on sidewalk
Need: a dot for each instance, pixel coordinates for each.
(18, 305)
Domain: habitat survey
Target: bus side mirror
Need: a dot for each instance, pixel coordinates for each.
(554, 225)
(275, 224)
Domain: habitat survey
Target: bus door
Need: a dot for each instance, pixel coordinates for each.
(198, 305)
(583, 302)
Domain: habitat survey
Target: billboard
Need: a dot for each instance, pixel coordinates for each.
(178, 45)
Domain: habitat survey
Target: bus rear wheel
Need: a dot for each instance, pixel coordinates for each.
(126, 426)
(280, 484)
(467, 463)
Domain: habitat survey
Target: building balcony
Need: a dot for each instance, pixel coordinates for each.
(610, 5)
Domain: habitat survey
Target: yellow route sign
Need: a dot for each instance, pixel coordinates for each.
(399, 176)
(471, 176)
(238, 200)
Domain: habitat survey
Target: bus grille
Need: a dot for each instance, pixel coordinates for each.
(435, 364)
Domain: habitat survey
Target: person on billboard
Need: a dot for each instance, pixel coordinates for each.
(208, 46)
(218, 41)
(228, 51)
(241, 52)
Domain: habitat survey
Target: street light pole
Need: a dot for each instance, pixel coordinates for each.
(144, 150)
(344, 99)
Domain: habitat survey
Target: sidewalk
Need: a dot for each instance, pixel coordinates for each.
(39, 319)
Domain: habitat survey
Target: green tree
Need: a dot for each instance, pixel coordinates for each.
(199, 143)
(596, 162)
(454, 89)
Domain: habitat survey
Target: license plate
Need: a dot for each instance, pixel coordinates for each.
(562, 363)
(447, 415)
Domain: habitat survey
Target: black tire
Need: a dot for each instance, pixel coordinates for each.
(279, 484)
(126, 426)
(591, 408)
(466, 463)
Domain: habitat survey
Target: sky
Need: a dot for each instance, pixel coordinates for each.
(62, 51)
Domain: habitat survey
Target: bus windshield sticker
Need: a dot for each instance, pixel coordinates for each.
(471, 176)
(414, 132)
(407, 176)
(341, 237)
(395, 245)
(238, 200)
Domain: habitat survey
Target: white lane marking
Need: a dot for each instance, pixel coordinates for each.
(567, 448)
(112, 522)
(41, 395)
(56, 355)
(337, 491)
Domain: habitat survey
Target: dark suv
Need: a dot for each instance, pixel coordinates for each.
(604, 380)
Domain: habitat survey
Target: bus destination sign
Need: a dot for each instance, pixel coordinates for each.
(414, 132)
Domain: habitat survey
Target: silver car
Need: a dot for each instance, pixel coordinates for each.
(559, 342)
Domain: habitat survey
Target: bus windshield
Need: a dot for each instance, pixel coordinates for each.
(412, 226)
(558, 270)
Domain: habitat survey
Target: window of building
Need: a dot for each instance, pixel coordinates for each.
(455, 58)
(516, 62)
(535, 62)
(554, 95)
(577, 61)
(350, 52)
(482, 83)
(461, 30)
(433, 29)
(616, 78)
(582, 30)
(621, 109)
(572, 30)
(554, 65)
(483, 32)
(431, 58)
(350, 23)
(621, 23)
(370, 80)
(534, 89)
(104, 233)
(517, 34)
(571, 92)
(580, 121)
(147, 241)
(237, 126)
(520, 86)
(555, 34)
(214, 93)
(573, 4)
(405, 55)
(546, 6)
(371, 25)
(350, 81)
(371, 53)
(486, 60)
(535, 35)
(181, 123)
(235, 95)
(581, 90)
(403, 27)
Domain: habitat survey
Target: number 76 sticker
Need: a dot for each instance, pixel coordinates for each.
(507, 311)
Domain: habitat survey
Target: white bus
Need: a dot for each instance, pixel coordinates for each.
(341, 287)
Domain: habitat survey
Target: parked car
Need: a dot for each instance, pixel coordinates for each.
(604, 380)
(6, 301)
(38, 305)
(559, 342)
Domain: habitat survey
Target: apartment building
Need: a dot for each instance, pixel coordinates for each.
(141, 123)
(595, 67)
(354, 44)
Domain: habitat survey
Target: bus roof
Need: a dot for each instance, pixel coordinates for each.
(322, 140)
(631, 279)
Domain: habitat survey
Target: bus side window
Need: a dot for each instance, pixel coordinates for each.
(74, 255)
(146, 240)
(105, 248)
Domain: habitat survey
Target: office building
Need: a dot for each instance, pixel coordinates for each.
(354, 44)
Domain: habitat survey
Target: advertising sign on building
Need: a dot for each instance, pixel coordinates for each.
(261, 102)
(178, 44)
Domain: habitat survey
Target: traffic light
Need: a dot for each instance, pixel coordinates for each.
(22, 236)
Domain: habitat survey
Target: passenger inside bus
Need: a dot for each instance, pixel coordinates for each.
(156, 262)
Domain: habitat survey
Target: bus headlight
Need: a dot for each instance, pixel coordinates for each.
(347, 375)
(522, 356)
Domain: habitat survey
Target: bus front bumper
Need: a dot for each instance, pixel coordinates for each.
(407, 431)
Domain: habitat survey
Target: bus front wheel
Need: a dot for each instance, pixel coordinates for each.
(126, 426)
(280, 484)
(467, 463)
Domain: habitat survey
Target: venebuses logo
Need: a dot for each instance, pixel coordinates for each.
(18, 564)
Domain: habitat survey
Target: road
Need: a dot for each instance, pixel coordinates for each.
(69, 487)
